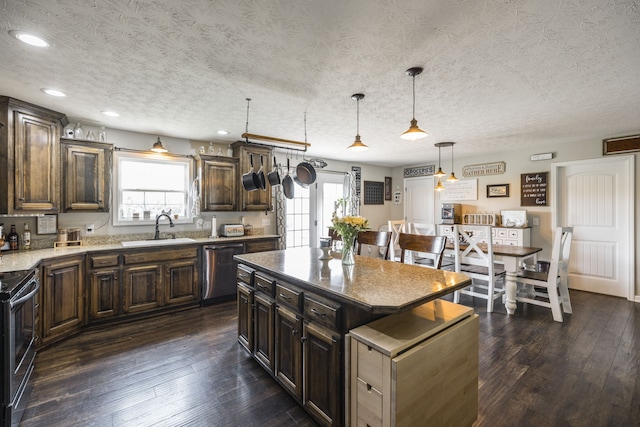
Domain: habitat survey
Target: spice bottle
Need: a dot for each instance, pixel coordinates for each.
(14, 240)
(26, 237)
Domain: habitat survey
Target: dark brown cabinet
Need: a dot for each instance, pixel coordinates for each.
(104, 291)
(321, 352)
(219, 183)
(245, 316)
(181, 284)
(263, 315)
(257, 200)
(86, 171)
(29, 162)
(142, 288)
(62, 298)
(288, 329)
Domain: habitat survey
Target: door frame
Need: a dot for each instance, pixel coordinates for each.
(630, 163)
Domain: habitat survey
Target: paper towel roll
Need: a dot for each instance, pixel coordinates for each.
(214, 227)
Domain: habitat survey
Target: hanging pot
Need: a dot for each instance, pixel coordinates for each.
(263, 183)
(305, 174)
(274, 176)
(250, 180)
(287, 184)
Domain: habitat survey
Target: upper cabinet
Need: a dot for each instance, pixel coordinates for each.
(219, 183)
(86, 172)
(29, 155)
(257, 200)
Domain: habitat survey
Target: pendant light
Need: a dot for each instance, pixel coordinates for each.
(452, 177)
(439, 186)
(414, 132)
(357, 144)
(440, 173)
(158, 148)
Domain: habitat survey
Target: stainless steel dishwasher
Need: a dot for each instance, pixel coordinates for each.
(219, 272)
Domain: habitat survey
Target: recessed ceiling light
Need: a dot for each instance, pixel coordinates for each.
(31, 39)
(110, 113)
(223, 132)
(53, 92)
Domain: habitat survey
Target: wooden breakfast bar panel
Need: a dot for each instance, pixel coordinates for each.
(374, 285)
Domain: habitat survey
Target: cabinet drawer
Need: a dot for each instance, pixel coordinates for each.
(370, 367)
(132, 258)
(244, 275)
(320, 312)
(288, 296)
(261, 246)
(98, 261)
(501, 232)
(369, 405)
(264, 284)
(513, 234)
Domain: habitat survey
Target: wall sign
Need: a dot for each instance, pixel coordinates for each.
(495, 168)
(534, 189)
(357, 171)
(462, 189)
(420, 171)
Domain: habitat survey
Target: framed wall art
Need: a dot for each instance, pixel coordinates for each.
(387, 188)
(498, 190)
(373, 193)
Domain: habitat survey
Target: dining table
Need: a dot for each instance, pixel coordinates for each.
(511, 257)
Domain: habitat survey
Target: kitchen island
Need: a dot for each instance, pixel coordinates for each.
(295, 313)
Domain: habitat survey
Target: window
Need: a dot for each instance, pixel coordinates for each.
(147, 184)
(298, 219)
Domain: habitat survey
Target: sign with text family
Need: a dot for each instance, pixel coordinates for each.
(534, 189)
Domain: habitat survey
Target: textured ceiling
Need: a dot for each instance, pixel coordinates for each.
(498, 75)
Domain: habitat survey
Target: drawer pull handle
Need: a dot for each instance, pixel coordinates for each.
(368, 387)
(262, 287)
(285, 297)
(317, 313)
(294, 332)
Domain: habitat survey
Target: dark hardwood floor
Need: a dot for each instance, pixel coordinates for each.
(187, 369)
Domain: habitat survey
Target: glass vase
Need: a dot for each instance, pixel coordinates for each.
(347, 250)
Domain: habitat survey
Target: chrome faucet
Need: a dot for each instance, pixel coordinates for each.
(157, 235)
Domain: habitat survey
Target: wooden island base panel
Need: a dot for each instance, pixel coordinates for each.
(368, 344)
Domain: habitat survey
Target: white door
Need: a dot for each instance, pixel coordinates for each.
(419, 200)
(329, 187)
(596, 198)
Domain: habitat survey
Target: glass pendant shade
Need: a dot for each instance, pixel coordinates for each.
(439, 186)
(158, 148)
(452, 177)
(357, 144)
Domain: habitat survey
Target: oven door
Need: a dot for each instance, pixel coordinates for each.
(19, 349)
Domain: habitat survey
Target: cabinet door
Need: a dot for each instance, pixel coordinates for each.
(219, 184)
(289, 351)
(142, 288)
(104, 294)
(36, 163)
(322, 374)
(257, 200)
(85, 177)
(62, 298)
(263, 314)
(245, 316)
(181, 282)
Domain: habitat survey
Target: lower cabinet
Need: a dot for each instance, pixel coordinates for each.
(62, 298)
(321, 350)
(131, 283)
(295, 338)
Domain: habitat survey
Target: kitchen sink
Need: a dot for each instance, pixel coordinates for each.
(161, 242)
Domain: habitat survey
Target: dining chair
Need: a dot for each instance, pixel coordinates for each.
(395, 227)
(473, 252)
(374, 244)
(426, 229)
(431, 249)
(550, 289)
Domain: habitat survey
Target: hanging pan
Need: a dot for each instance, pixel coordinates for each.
(261, 177)
(274, 175)
(287, 184)
(305, 174)
(250, 180)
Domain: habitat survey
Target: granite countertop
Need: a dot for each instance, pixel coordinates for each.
(374, 284)
(25, 260)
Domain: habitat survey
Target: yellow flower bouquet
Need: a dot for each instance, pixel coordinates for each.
(348, 228)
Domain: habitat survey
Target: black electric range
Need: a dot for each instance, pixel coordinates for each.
(11, 281)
